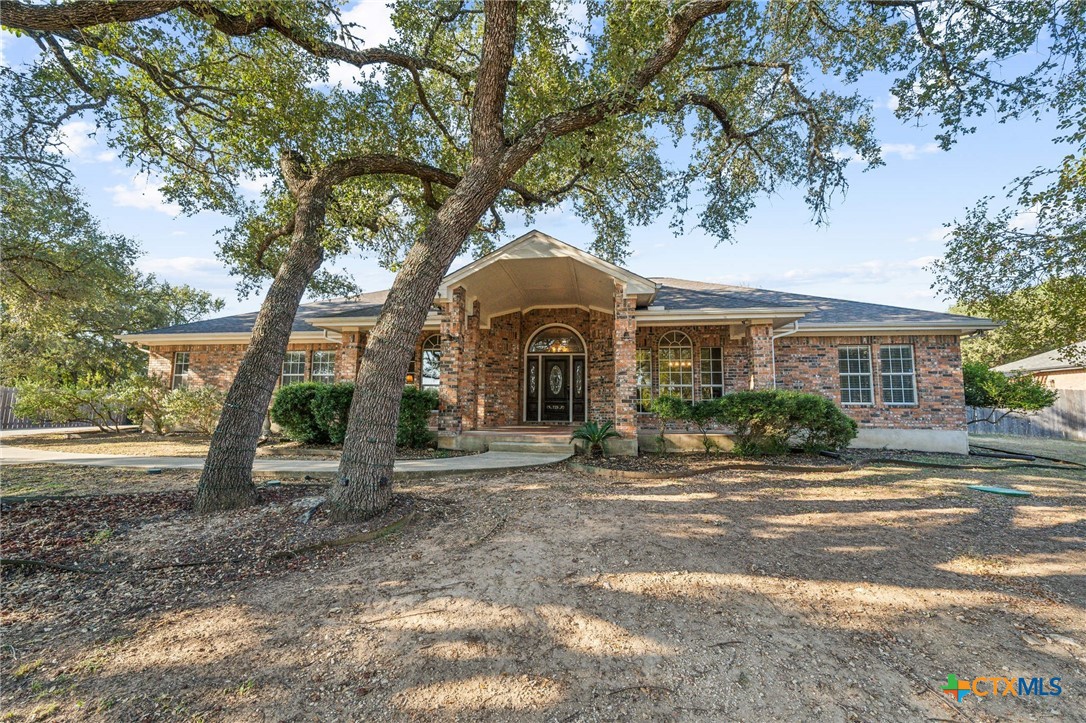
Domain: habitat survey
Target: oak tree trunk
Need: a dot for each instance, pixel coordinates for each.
(227, 478)
(364, 485)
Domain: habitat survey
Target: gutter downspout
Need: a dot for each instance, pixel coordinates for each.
(773, 349)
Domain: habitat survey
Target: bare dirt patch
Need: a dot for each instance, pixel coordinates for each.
(191, 445)
(552, 595)
(693, 462)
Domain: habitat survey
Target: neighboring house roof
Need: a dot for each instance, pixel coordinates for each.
(661, 301)
(1049, 361)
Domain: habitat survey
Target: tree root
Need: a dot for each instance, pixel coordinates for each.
(349, 539)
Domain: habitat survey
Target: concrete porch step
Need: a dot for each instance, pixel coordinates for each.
(533, 447)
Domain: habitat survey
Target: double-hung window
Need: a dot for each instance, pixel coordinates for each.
(180, 369)
(676, 355)
(293, 368)
(324, 367)
(712, 372)
(854, 368)
(898, 375)
(644, 379)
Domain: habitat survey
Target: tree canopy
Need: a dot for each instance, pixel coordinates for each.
(1025, 263)
(66, 288)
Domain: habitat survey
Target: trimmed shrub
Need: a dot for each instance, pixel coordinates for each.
(670, 408)
(415, 408)
(292, 409)
(822, 425)
(331, 407)
(197, 408)
(765, 421)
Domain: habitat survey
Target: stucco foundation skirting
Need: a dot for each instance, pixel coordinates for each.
(634, 474)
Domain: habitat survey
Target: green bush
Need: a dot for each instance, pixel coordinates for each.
(316, 413)
(331, 407)
(88, 400)
(1021, 394)
(195, 408)
(415, 408)
(765, 421)
(145, 398)
(670, 408)
(292, 409)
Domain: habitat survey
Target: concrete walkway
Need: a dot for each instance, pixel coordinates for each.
(12, 433)
(487, 462)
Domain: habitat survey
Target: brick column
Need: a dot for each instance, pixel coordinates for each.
(452, 330)
(625, 355)
(349, 355)
(761, 356)
(469, 370)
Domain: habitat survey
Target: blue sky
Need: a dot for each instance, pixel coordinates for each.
(880, 238)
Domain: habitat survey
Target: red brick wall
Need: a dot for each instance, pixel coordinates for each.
(215, 364)
(809, 364)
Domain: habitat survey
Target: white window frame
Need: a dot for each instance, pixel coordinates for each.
(715, 375)
(290, 360)
(892, 381)
(431, 345)
(675, 359)
(643, 378)
(180, 379)
(321, 360)
(860, 375)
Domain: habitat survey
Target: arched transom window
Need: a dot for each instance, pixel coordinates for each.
(676, 355)
(555, 340)
(431, 362)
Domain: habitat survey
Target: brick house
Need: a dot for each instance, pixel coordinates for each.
(539, 333)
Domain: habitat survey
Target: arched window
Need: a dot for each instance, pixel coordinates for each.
(431, 362)
(676, 355)
(555, 340)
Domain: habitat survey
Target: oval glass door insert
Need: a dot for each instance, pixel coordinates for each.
(556, 379)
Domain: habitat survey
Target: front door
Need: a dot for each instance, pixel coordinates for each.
(555, 389)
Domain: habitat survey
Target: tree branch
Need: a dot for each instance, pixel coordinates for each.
(82, 14)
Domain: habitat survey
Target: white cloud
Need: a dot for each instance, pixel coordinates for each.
(908, 151)
(183, 266)
(256, 185)
(936, 234)
(1026, 220)
(372, 26)
(893, 102)
(142, 192)
(76, 136)
(106, 157)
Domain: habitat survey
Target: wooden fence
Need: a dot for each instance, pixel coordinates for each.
(8, 420)
(1066, 419)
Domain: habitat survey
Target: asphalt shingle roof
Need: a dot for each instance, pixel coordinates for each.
(241, 323)
(681, 294)
(673, 295)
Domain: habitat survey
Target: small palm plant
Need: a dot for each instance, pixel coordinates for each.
(595, 434)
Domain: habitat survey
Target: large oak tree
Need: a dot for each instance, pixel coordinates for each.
(482, 109)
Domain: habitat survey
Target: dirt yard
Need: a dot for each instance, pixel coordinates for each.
(188, 445)
(554, 595)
